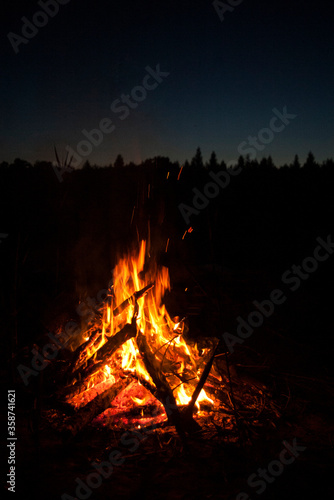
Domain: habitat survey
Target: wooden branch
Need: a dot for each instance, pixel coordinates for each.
(79, 356)
(138, 412)
(103, 356)
(190, 408)
(132, 299)
(80, 353)
(79, 386)
(164, 392)
(98, 405)
(220, 394)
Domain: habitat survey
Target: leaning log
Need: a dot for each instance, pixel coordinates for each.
(190, 408)
(103, 356)
(92, 409)
(80, 353)
(164, 392)
(132, 299)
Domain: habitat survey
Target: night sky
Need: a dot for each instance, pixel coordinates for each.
(225, 78)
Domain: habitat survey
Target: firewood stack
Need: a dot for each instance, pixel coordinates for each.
(132, 358)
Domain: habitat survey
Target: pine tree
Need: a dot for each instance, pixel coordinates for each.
(241, 162)
(86, 165)
(213, 163)
(270, 162)
(296, 163)
(119, 162)
(197, 161)
(310, 161)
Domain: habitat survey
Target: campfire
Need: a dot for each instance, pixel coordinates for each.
(132, 364)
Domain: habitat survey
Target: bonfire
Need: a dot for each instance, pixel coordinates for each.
(134, 364)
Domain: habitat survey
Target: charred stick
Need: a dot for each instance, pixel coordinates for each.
(220, 394)
(128, 332)
(150, 387)
(81, 385)
(98, 405)
(138, 412)
(79, 356)
(102, 357)
(130, 300)
(105, 352)
(190, 408)
(164, 392)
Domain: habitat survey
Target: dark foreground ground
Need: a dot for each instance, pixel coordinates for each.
(61, 245)
(211, 468)
(218, 463)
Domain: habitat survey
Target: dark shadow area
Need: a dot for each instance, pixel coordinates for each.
(61, 236)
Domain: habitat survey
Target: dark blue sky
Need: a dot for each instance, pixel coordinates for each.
(225, 78)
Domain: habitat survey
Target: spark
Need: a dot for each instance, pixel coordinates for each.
(178, 177)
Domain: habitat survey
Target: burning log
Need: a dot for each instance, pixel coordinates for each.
(223, 396)
(107, 350)
(138, 412)
(98, 405)
(80, 353)
(102, 357)
(134, 297)
(150, 387)
(190, 408)
(164, 392)
(81, 385)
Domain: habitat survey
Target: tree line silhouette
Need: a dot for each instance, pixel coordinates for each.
(64, 237)
(197, 161)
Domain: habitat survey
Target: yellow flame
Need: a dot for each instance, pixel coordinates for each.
(181, 396)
